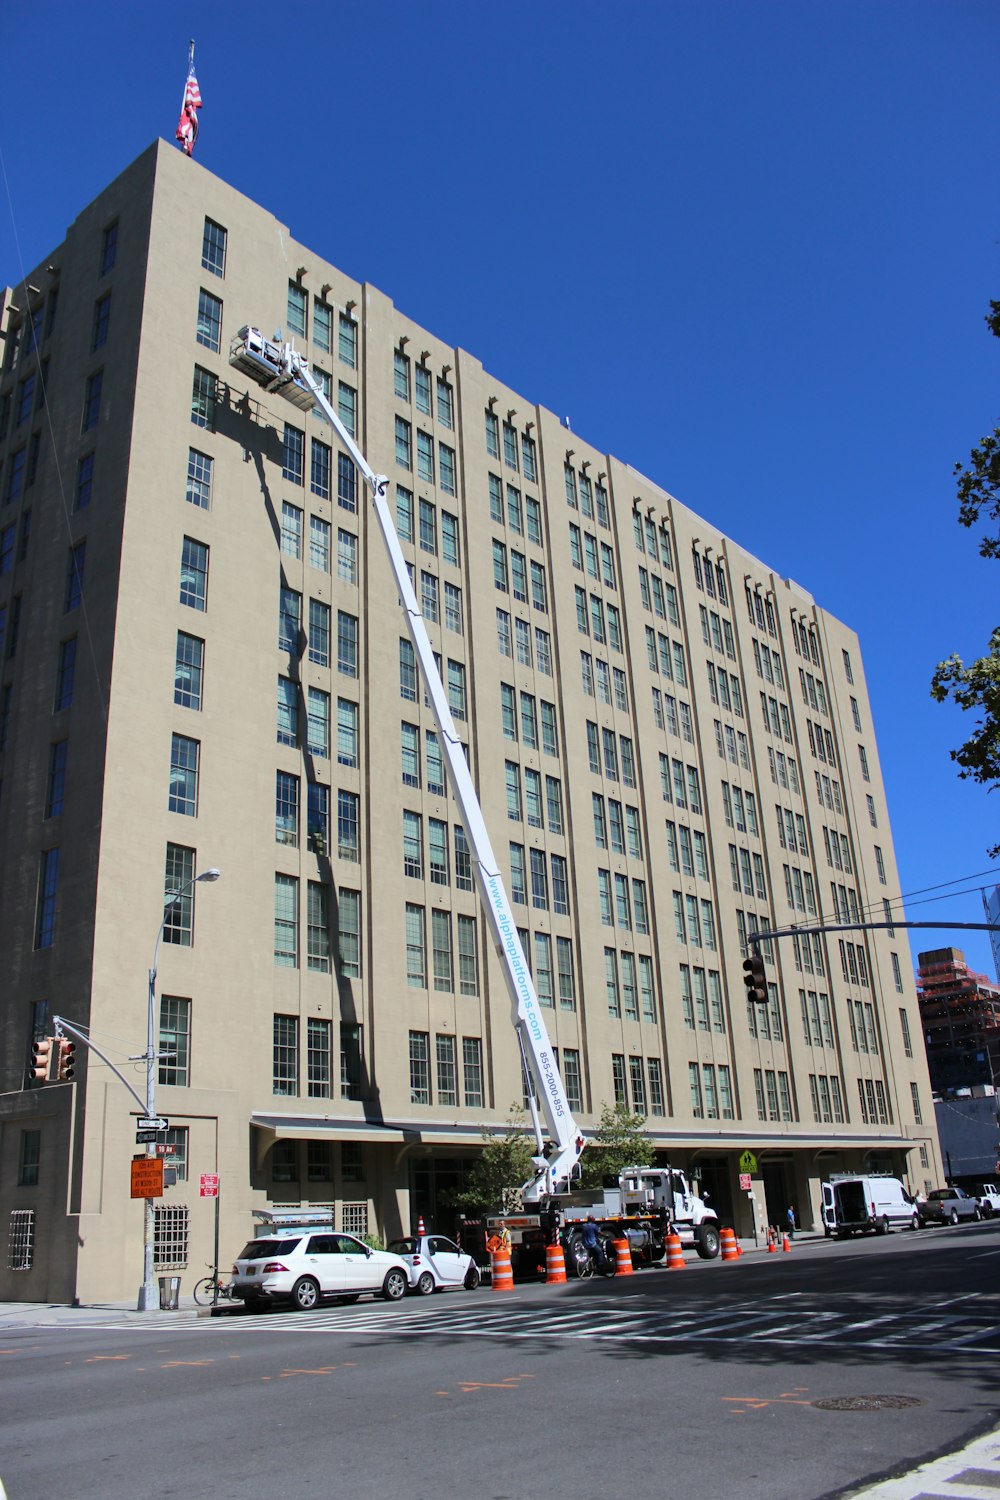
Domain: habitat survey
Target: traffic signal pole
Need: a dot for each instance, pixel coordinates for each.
(765, 934)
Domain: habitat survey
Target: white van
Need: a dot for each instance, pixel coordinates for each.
(875, 1204)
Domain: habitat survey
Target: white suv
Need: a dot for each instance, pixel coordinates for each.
(987, 1195)
(303, 1265)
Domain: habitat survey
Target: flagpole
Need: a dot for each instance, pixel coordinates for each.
(189, 71)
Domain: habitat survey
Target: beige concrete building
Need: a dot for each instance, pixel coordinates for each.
(204, 664)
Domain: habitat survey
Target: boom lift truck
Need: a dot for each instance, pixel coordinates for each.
(646, 1201)
(281, 370)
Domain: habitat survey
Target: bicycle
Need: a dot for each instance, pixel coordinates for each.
(212, 1289)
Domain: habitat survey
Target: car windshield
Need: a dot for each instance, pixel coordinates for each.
(260, 1249)
(403, 1247)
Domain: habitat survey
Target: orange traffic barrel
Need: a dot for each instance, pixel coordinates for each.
(502, 1277)
(555, 1264)
(730, 1250)
(675, 1253)
(623, 1258)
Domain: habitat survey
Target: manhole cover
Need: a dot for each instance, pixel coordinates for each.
(867, 1403)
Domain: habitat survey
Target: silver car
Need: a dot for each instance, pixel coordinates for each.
(948, 1206)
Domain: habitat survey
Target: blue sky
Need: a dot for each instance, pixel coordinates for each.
(745, 247)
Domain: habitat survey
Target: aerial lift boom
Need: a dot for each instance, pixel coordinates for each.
(279, 368)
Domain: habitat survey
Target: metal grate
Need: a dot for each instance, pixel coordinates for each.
(170, 1238)
(21, 1239)
(867, 1403)
(354, 1218)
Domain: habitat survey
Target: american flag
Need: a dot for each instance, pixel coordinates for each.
(187, 125)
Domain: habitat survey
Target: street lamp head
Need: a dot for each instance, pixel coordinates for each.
(209, 875)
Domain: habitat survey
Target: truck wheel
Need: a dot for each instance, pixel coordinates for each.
(915, 1222)
(578, 1262)
(707, 1243)
(882, 1225)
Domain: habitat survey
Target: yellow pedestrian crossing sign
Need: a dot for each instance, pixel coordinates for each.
(748, 1162)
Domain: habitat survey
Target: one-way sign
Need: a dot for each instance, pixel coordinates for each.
(147, 1137)
(145, 1123)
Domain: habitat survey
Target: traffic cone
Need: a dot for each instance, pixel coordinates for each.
(730, 1249)
(501, 1275)
(739, 1248)
(623, 1258)
(555, 1264)
(772, 1243)
(675, 1253)
(786, 1244)
(420, 1225)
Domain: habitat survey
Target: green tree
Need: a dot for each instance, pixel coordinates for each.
(618, 1142)
(976, 686)
(494, 1184)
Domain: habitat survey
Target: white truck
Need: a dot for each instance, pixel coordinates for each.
(644, 1205)
(280, 369)
(867, 1205)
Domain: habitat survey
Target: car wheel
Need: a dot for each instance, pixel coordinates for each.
(425, 1284)
(471, 1279)
(305, 1294)
(915, 1222)
(394, 1286)
(953, 1216)
(976, 1216)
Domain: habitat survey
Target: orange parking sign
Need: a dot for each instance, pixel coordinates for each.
(147, 1177)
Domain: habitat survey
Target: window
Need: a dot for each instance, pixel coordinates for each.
(29, 1158)
(286, 809)
(423, 389)
(447, 1080)
(349, 922)
(183, 793)
(194, 574)
(74, 579)
(199, 479)
(175, 1041)
(416, 962)
(319, 543)
(285, 1068)
(296, 312)
(322, 325)
(293, 456)
(318, 930)
(209, 326)
(347, 826)
(472, 1071)
(347, 484)
(347, 340)
(65, 674)
(213, 248)
(347, 644)
(468, 963)
(412, 845)
(178, 896)
(319, 628)
(347, 406)
(441, 950)
(109, 249)
(291, 529)
(347, 556)
(101, 323)
(289, 620)
(48, 890)
(56, 788)
(420, 1083)
(203, 398)
(403, 444)
(347, 732)
(286, 922)
(318, 816)
(288, 712)
(350, 1063)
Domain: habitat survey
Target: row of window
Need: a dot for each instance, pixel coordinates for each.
(313, 1064)
(511, 447)
(443, 1088)
(332, 927)
(529, 646)
(597, 559)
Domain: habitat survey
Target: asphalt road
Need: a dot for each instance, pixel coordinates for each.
(712, 1380)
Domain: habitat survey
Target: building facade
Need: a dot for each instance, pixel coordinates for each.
(960, 1016)
(205, 665)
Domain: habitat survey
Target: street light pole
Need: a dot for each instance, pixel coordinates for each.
(147, 1294)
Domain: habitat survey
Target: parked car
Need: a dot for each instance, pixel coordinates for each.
(435, 1261)
(987, 1195)
(304, 1266)
(948, 1206)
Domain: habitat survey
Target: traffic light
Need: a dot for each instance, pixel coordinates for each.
(41, 1055)
(66, 1066)
(755, 979)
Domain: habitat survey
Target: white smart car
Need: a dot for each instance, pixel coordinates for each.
(305, 1265)
(434, 1261)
